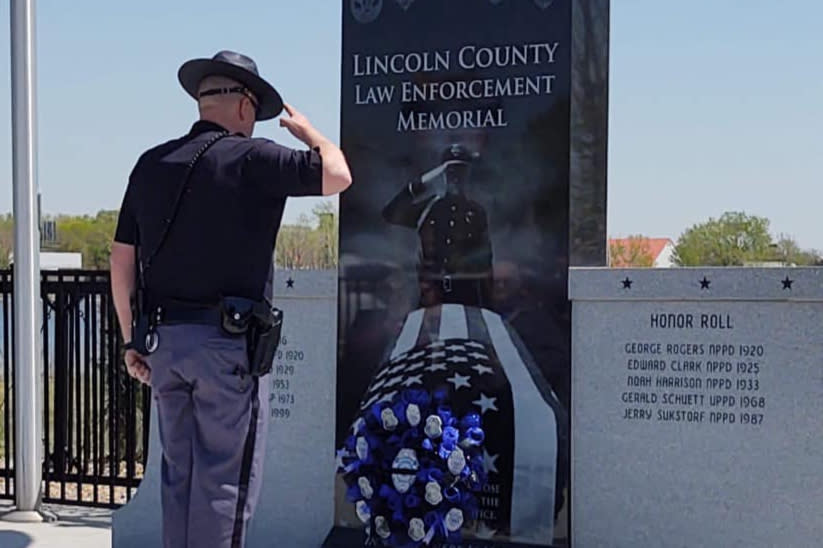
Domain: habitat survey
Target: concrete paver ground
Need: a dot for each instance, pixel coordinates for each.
(76, 527)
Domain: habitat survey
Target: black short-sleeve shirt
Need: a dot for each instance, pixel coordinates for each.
(222, 239)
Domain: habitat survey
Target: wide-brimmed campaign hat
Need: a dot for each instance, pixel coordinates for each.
(238, 67)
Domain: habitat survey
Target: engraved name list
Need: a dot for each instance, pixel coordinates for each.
(707, 376)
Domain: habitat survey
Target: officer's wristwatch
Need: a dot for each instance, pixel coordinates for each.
(128, 346)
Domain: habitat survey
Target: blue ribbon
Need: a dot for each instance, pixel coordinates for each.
(474, 436)
(451, 494)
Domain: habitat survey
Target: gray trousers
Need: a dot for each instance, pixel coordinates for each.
(213, 420)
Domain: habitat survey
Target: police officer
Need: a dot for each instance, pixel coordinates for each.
(455, 248)
(197, 230)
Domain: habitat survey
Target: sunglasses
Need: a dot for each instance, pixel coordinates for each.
(239, 89)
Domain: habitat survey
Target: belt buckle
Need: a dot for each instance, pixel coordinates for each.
(447, 283)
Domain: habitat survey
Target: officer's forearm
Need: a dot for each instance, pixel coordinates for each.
(122, 284)
(336, 174)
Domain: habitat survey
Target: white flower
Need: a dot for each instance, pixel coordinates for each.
(365, 487)
(363, 511)
(413, 414)
(381, 527)
(454, 519)
(417, 529)
(457, 461)
(389, 419)
(434, 427)
(362, 448)
(433, 493)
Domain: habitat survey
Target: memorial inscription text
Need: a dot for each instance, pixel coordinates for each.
(522, 70)
(284, 381)
(707, 377)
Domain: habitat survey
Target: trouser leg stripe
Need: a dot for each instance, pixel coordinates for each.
(245, 469)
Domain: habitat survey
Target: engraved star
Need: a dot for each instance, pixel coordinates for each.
(459, 381)
(787, 283)
(436, 367)
(290, 283)
(489, 462)
(474, 345)
(485, 403)
(411, 381)
(704, 283)
(482, 369)
(457, 359)
(388, 397)
(478, 356)
(627, 283)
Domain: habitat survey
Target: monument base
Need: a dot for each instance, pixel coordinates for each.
(28, 516)
(346, 537)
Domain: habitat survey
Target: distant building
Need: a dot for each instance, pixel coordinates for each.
(659, 250)
(56, 260)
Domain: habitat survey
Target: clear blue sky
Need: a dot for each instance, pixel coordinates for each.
(715, 105)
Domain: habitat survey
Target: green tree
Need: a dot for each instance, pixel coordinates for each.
(788, 251)
(6, 239)
(89, 235)
(731, 240)
(312, 242)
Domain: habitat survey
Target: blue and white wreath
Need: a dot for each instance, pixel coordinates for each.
(413, 469)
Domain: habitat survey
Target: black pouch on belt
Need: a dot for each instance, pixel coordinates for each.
(260, 323)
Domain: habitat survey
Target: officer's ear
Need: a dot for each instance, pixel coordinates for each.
(247, 112)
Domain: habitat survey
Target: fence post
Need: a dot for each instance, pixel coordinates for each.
(28, 460)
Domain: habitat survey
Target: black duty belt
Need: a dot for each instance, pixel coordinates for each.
(171, 314)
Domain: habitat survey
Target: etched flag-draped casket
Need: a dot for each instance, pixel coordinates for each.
(457, 436)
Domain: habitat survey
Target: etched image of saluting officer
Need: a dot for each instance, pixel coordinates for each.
(455, 253)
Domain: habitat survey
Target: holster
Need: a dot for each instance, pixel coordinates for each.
(261, 324)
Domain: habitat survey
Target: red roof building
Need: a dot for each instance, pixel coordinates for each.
(640, 251)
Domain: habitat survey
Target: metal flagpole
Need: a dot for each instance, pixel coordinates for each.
(27, 442)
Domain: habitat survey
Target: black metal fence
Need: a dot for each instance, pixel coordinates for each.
(95, 417)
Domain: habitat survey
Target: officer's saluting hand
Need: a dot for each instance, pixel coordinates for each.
(336, 175)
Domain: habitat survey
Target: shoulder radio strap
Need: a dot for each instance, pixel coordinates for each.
(143, 268)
